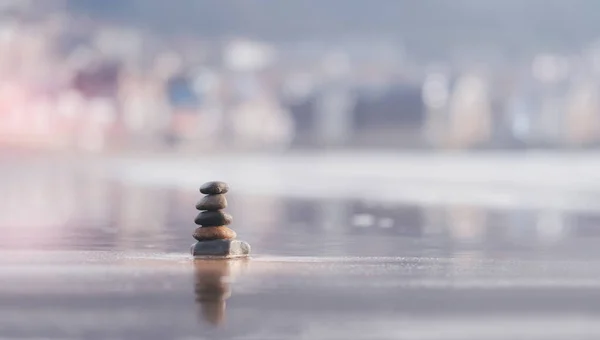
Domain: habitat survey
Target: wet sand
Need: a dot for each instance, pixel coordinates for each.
(62, 295)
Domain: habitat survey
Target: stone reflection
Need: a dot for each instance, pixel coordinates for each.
(212, 286)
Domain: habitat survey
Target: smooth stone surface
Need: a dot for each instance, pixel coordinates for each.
(214, 188)
(214, 233)
(213, 218)
(212, 202)
(220, 248)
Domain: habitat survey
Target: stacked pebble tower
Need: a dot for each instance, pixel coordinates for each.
(214, 238)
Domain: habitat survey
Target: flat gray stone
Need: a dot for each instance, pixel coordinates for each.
(214, 188)
(213, 218)
(212, 202)
(221, 248)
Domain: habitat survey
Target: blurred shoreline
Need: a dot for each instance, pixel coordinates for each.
(541, 179)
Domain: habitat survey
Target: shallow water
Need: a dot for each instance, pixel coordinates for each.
(89, 256)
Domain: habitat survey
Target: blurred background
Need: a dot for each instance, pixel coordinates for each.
(232, 75)
(293, 103)
(155, 93)
(161, 91)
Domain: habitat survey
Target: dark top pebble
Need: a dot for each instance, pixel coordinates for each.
(213, 218)
(212, 202)
(213, 188)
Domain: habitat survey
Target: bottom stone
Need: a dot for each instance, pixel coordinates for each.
(221, 248)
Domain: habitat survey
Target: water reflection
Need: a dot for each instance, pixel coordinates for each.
(212, 280)
(56, 208)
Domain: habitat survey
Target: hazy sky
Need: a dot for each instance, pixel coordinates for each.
(511, 23)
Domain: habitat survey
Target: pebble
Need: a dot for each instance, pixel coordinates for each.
(214, 188)
(214, 233)
(212, 202)
(221, 248)
(213, 218)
